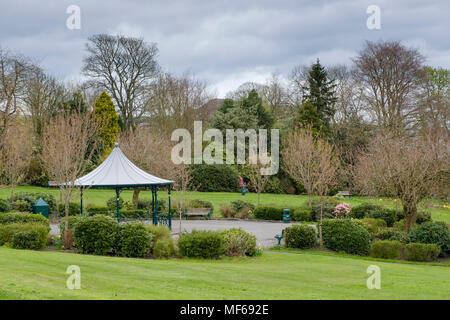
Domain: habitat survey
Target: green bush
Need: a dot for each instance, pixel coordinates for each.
(197, 203)
(95, 234)
(7, 232)
(346, 235)
(29, 239)
(215, 178)
(422, 252)
(301, 214)
(93, 210)
(373, 225)
(238, 243)
(72, 224)
(300, 236)
(134, 214)
(387, 249)
(74, 209)
(359, 212)
(237, 205)
(162, 242)
(132, 240)
(22, 217)
(273, 185)
(392, 234)
(268, 213)
(163, 248)
(4, 205)
(432, 232)
(423, 217)
(146, 205)
(201, 244)
(31, 197)
(112, 204)
(21, 206)
(327, 208)
(385, 214)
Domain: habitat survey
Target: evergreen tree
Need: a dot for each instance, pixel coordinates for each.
(76, 104)
(309, 117)
(253, 104)
(320, 92)
(104, 109)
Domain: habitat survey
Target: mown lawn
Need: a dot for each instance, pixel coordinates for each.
(99, 198)
(41, 275)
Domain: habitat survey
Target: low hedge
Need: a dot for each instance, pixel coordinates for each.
(373, 225)
(22, 217)
(302, 214)
(74, 209)
(98, 210)
(237, 205)
(202, 244)
(268, 213)
(371, 210)
(426, 252)
(29, 239)
(238, 242)
(300, 236)
(392, 234)
(134, 214)
(132, 240)
(4, 205)
(29, 198)
(346, 235)
(432, 232)
(387, 249)
(95, 234)
(7, 232)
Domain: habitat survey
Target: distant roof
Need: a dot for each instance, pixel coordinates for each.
(118, 171)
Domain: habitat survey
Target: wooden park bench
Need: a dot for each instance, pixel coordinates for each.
(198, 212)
(344, 193)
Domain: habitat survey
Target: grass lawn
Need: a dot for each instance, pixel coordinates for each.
(41, 275)
(99, 198)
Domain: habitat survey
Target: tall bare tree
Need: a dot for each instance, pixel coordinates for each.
(390, 74)
(14, 72)
(68, 145)
(407, 168)
(16, 153)
(310, 161)
(124, 67)
(175, 103)
(257, 181)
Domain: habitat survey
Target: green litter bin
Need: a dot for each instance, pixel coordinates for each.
(41, 207)
(286, 215)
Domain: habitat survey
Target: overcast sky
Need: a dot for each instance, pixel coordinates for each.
(223, 42)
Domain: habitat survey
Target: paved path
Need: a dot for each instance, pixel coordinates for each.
(264, 231)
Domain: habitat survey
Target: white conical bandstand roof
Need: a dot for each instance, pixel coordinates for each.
(118, 171)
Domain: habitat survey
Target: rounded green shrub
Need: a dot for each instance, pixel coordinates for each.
(426, 252)
(359, 212)
(432, 232)
(74, 209)
(423, 217)
(327, 208)
(201, 244)
(386, 249)
(215, 178)
(93, 210)
(346, 235)
(162, 242)
(112, 203)
(21, 206)
(385, 214)
(4, 205)
(28, 239)
(237, 205)
(22, 217)
(268, 213)
(238, 242)
(373, 225)
(300, 236)
(7, 232)
(30, 198)
(392, 234)
(301, 214)
(132, 240)
(95, 234)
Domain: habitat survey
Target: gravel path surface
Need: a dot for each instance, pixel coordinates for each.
(264, 231)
